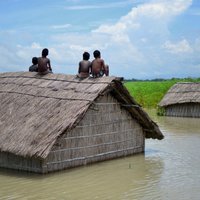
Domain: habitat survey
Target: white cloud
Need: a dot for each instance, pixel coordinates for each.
(179, 47)
(159, 11)
(148, 20)
(35, 45)
(61, 26)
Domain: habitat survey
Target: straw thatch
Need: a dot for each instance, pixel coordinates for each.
(182, 99)
(37, 110)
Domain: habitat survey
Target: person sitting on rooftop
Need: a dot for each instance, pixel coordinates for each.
(44, 65)
(34, 66)
(98, 65)
(84, 69)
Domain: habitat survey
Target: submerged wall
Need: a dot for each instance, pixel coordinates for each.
(106, 132)
(183, 110)
(11, 161)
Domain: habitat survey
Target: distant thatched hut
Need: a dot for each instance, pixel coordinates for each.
(57, 121)
(182, 100)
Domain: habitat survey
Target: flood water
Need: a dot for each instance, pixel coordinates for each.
(169, 170)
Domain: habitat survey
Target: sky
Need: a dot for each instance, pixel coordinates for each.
(138, 39)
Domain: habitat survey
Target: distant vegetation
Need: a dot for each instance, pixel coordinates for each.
(148, 93)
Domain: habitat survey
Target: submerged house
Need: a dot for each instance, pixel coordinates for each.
(182, 100)
(55, 121)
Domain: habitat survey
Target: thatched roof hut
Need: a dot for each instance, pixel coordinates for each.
(182, 100)
(48, 122)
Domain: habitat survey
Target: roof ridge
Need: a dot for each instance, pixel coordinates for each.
(75, 79)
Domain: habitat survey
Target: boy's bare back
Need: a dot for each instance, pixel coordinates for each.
(84, 66)
(43, 64)
(97, 66)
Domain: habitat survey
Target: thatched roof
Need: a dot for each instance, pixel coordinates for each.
(186, 92)
(35, 110)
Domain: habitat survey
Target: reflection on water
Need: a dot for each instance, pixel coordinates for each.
(169, 169)
(117, 179)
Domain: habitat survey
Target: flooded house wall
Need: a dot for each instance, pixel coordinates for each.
(183, 110)
(11, 161)
(106, 132)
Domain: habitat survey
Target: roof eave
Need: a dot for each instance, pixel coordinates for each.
(150, 128)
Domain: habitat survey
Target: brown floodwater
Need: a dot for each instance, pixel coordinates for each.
(168, 170)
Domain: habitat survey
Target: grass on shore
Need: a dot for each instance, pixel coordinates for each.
(149, 93)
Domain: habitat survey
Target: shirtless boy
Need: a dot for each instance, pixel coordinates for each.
(84, 66)
(34, 66)
(98, 65)
(44, 65)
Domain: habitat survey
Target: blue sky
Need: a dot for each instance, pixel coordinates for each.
(138, 38)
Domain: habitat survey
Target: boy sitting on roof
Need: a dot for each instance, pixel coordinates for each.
(44, 66)
(84, 69)
(98, 65)
(34, 66)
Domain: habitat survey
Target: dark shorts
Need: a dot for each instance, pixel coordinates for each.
(100, 74)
